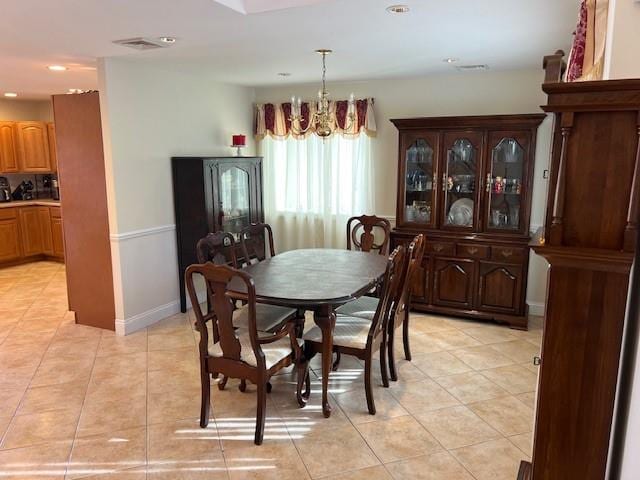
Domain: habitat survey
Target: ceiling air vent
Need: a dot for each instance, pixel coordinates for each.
(472, 68)
(140, 43)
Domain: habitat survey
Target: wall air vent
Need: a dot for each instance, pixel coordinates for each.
(472, 68)
(140, 43)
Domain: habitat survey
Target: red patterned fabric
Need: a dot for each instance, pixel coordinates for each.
(342, 107)
(361, 109)
(286, 111)
(270, 116)
(576, 59)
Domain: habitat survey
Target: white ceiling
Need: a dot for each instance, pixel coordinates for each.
(250, 41)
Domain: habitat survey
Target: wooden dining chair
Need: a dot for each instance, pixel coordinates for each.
(361, 234)
(359, 336)
(256, 243)
(220, 248)
(240, 353)
(402, 303)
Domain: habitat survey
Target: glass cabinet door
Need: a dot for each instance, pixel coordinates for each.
(235, 211)
(504, 183)
(420, 179)
(459, 180)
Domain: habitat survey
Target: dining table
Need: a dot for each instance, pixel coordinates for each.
(317, 280)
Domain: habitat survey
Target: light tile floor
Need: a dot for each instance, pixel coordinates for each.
(76, 402)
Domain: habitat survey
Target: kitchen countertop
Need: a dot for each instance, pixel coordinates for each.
(42, 202)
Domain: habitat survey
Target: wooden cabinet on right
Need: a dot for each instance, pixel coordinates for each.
(57, 238)
(33, 147)
(589, 241)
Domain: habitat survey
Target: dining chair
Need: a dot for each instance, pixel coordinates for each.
(254, 241)
(361, 337)
(220, 248)
(402, 303)
(361, 234)
(246, 354)
(365, 307)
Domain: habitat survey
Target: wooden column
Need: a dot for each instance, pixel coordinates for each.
(83, 196)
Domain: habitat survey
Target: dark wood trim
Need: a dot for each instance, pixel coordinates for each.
(472, 121)
(555, 231)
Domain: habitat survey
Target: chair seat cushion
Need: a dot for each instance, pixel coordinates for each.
(349, 332)
(364, 307)
(269, 318)
(273, 352)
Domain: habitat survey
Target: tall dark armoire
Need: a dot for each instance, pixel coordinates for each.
(589, 241)
(213, 194)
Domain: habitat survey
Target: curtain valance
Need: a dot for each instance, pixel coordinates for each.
(274, 118)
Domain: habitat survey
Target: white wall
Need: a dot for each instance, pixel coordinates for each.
(16, 109)
(481, 93)
(623, 38)
(150, 114)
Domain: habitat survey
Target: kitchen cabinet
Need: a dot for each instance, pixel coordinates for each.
(465, 182)
(9, 235)
(44, 220)
(33, 147)
(30, 231)
(56, 233)
(8, 149)
(53, 152)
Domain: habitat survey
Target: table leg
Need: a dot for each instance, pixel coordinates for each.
(325, 319)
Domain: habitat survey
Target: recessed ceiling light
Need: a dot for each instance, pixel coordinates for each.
(284, 74)
(450, 60)
(398, 9)
(10, 94)
(167, 39)
(57, 68)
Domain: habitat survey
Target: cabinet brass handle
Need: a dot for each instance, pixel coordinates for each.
(472, 250)
(537, 361)
(438, 248)
(488, 187)
(435, 181)
(444, 182)
(507, 253)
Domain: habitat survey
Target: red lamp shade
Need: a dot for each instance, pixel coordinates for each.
(239, 140)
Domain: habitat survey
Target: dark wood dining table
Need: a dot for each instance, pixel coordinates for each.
(317, 280)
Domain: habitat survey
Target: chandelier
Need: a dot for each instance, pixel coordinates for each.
(321, 119)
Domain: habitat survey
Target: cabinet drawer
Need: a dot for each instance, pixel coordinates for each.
(441, 248)
(508, 254)
(472, 251)
(55, 212)
(8, 213)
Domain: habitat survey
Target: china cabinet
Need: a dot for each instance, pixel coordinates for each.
(465, 182)
(213, 194)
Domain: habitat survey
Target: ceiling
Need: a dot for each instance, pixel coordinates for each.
(250, 41)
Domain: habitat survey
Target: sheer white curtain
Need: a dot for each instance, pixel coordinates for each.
(312, 186)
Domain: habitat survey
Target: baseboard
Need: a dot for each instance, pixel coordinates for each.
(144, 319)
(536, 308)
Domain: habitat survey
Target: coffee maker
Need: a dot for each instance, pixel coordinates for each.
(5, 190)
(23, 191)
